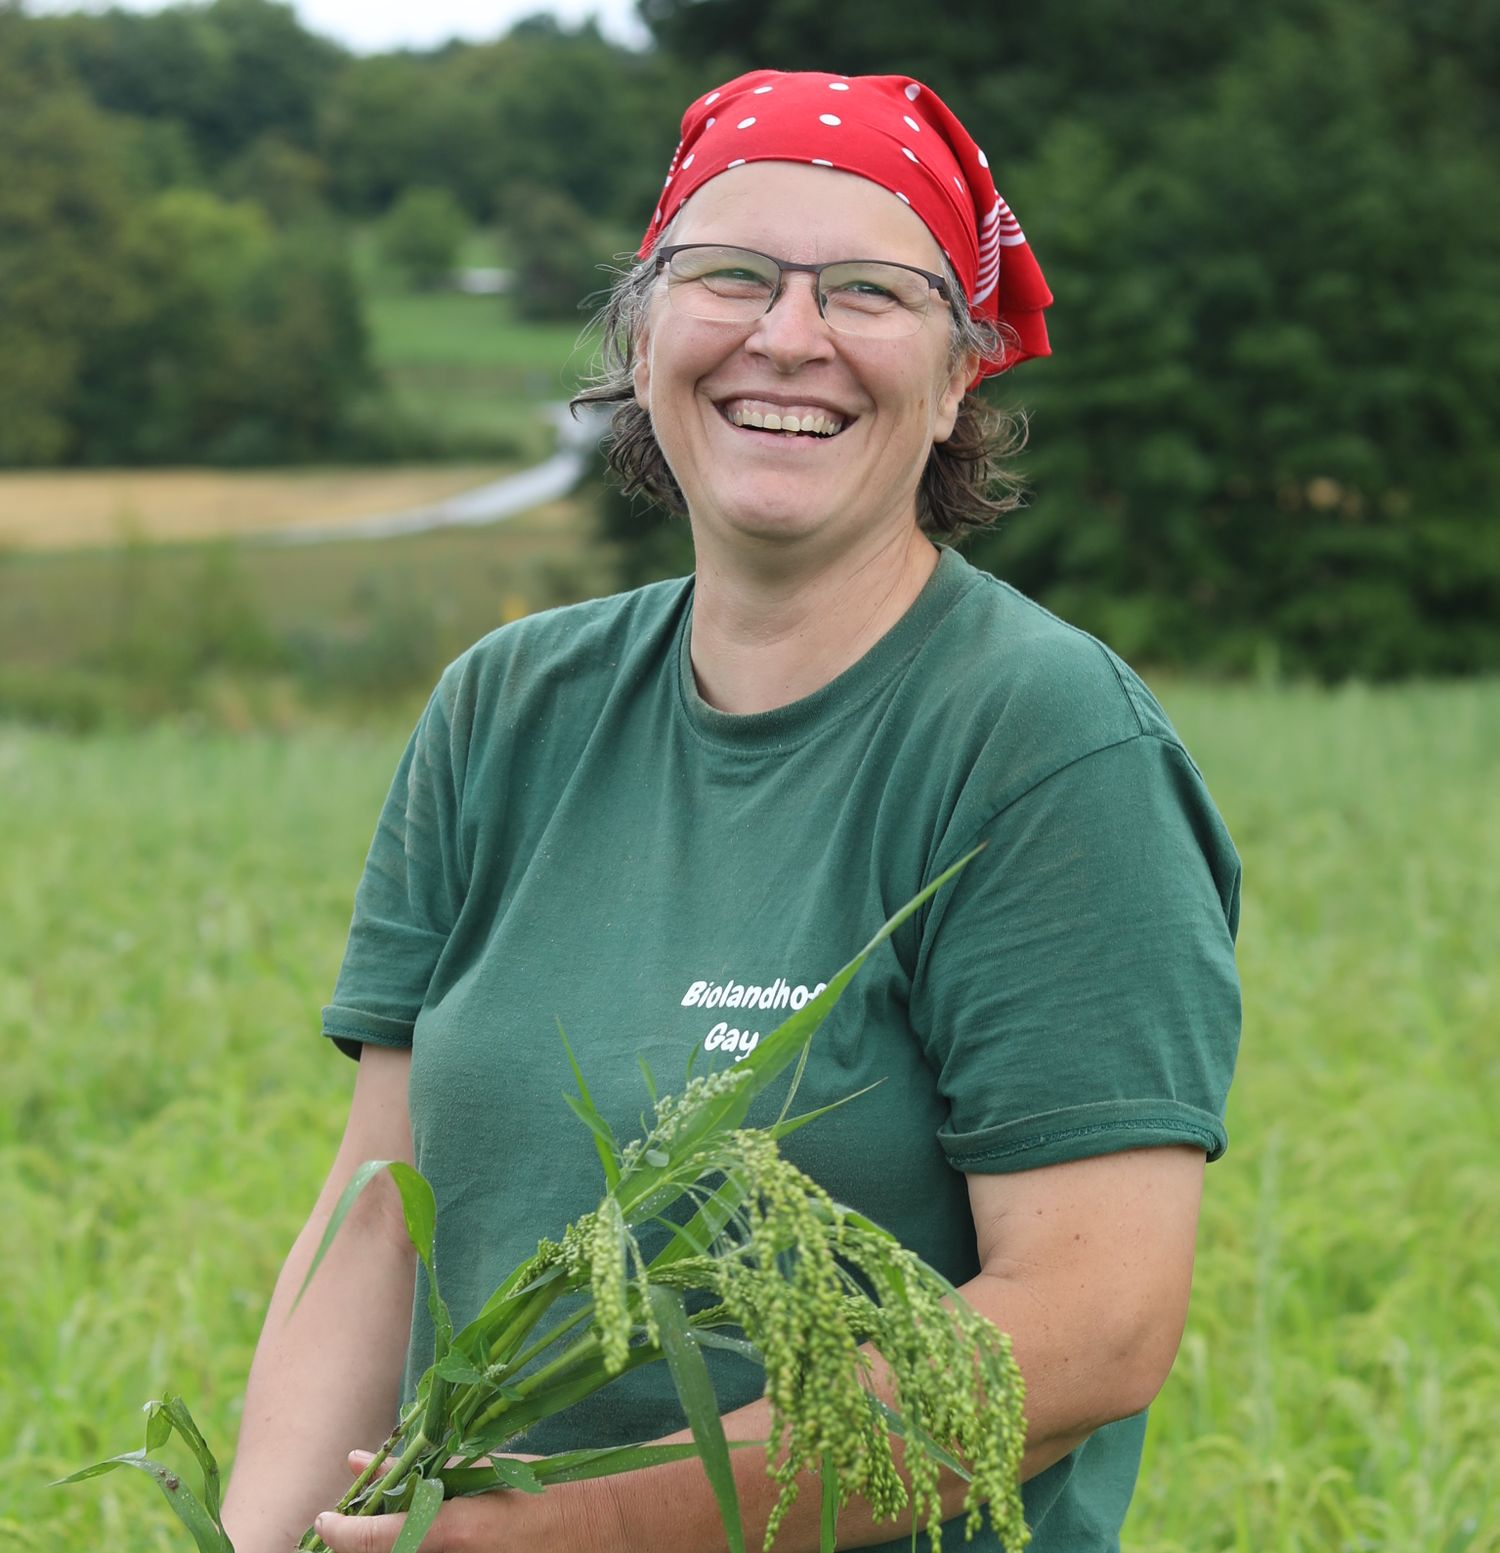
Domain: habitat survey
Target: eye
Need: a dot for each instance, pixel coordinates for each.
(724, 272)
(865, 295)
(874, 288)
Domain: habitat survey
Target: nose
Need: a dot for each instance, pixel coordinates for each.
(792, 331)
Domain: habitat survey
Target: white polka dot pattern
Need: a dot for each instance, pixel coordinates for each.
(830, 118)
(913, 92)
(907, 152)
(908, 119)
(744, 124)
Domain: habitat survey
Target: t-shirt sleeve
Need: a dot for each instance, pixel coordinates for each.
(409, 896)
(1076, 991)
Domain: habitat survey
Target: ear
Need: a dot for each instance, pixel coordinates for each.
(640, 371)
(952, 395)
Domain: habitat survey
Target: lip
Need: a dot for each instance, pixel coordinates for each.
(767, 396)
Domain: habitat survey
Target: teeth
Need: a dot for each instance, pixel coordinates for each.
(819, 424)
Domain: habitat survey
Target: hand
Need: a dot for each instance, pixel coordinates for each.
(566, 1516)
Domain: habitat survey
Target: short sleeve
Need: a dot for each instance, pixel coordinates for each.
(1076, 989)
(409, 896)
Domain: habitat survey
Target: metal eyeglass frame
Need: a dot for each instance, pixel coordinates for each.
(663, 256)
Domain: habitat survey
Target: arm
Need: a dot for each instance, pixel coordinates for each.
(328, 1376)
(1087, 1265)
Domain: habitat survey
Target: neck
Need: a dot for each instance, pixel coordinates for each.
(763, 638)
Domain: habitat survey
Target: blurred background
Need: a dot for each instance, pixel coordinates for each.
(289, 298)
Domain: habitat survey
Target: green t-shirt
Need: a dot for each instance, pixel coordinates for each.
(574, 835)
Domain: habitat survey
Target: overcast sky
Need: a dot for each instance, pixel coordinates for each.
(371, 26)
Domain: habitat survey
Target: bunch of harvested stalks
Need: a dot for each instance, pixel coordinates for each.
(760, 1261)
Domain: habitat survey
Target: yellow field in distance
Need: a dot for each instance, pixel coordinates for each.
(80, 509)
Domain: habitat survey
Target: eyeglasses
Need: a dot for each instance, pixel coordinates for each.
(868, 297)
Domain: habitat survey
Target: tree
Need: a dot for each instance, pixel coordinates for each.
(1270, 416)
(421, 234)
(558, 254)
(63, 206)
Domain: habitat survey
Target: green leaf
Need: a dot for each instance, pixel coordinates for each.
(158, 1426)
(909, 1432)
(347, 1198)
(695, 1390)
(426, 1501)
(575, 1466)
(419, 1211)
(455, 1367)
(705, 1226)
(650, 1078)
(604, 1139)
(182, 1421)
(784, 1125)
(828, 1529)
(706, 1337)
(208, 1535)
(497, 1473)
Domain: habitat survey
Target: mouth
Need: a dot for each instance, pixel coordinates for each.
(783, 420)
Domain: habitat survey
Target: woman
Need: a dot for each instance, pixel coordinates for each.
(665, 818)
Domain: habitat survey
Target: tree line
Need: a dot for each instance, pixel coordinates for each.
(1267, 437)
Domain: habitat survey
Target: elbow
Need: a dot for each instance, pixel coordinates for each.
(1144, 1353)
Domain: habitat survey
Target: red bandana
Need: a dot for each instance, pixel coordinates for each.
(897, 133)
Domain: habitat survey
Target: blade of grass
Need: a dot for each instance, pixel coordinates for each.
(604, 1138)
(208, 1535)
(575, 1466)
(176, 1411)
(426, 1501)
(828, 1527)
(909, 1432)
(695, 1390)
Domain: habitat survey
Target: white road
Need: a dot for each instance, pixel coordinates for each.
(544, 482)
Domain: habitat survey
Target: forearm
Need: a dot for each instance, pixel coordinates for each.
(325, 1378)
(1074, 1384)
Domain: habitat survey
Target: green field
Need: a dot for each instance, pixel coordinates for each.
(239, 632)
(174, 909)
(466, 366)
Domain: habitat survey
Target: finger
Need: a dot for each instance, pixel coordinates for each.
(359, 1533)
(359, 1460)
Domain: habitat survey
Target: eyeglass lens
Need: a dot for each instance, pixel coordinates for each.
(737, 285)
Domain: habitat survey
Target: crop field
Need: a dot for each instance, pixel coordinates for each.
(91, 509)
(174, 904)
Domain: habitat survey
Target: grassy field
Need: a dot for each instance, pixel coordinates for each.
(466, 365)
(239, 633)
(175, 906)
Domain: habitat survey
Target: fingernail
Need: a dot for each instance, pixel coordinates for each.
(362, 1456)
(320, 1525)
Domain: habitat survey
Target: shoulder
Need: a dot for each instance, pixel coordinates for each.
(1025, 692)
(574, 653)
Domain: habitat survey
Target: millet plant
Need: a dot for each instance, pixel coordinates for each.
(760, 1262)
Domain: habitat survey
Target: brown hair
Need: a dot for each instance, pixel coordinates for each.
(968, 482)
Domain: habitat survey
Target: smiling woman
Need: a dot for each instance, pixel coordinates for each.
(727, 781)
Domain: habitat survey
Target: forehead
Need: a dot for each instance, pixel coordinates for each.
(807, 214)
